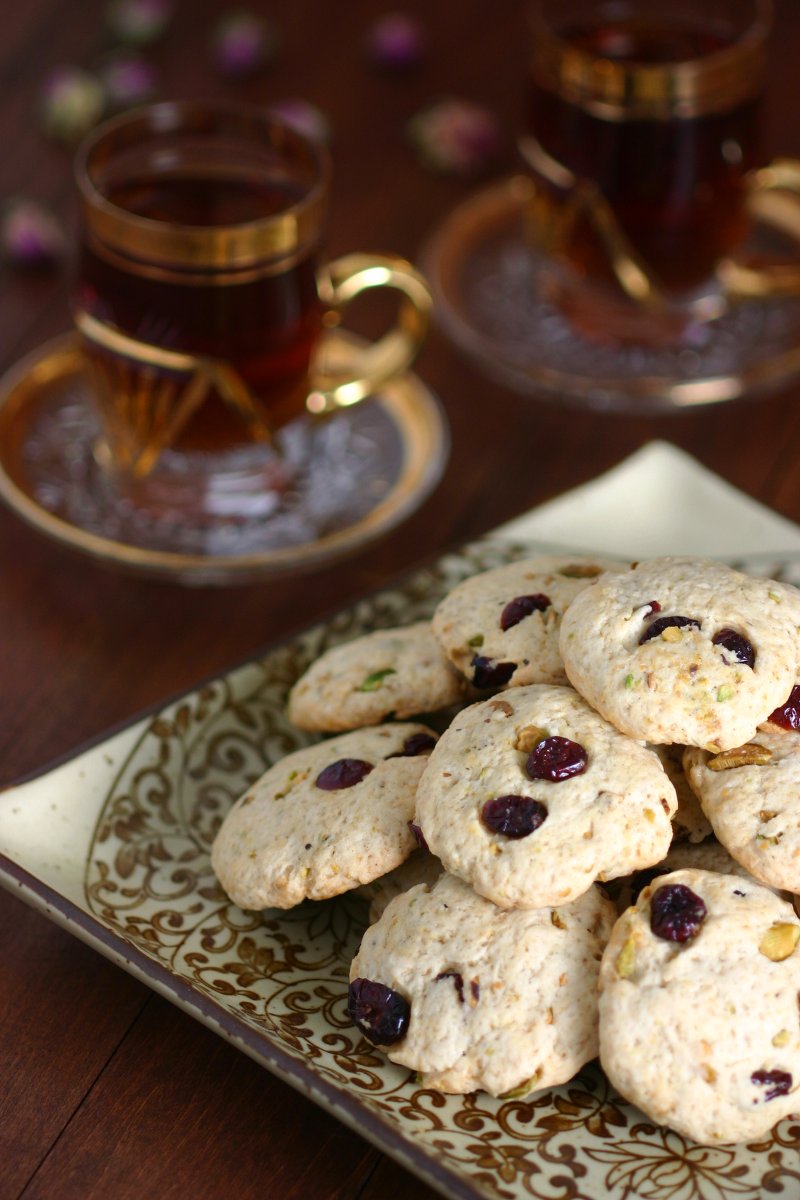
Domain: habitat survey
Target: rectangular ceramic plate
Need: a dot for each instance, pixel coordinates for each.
(114, 845)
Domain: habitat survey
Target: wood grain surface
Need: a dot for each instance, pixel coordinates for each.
(106, 1089)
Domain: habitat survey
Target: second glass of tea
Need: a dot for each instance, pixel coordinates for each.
(203, 300)
(643, 141)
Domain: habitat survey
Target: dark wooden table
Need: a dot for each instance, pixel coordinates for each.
(106, 1089)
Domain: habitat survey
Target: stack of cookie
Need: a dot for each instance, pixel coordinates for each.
(495, 961)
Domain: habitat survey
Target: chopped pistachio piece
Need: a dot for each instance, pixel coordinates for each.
(529, 737)
(726, 692)
(782, 1039)
(580, 571)
(751, 754)
(476, 641)
(374, 681)
(626, 959)
(779, 941)
(522, 1089)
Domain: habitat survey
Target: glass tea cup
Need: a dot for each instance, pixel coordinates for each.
(204, 302)
(643, 143)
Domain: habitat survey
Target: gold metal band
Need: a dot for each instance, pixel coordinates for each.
(632, 91)
(225, 247)
(197, 275)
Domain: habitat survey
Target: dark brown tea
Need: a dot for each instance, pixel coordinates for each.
(262, 321)
(675, 183)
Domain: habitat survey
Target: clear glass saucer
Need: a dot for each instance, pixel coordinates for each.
(352, 478)
(489, 298)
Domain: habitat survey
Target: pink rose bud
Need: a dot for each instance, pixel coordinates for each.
(72, 102)
(306, 118)
(30, 236)
(396, 42)
(139, 22)
(456, 137)
(128, 81)
(243, 44)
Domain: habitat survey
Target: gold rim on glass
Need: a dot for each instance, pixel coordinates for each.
(413, 409)
(164, 246)
(626, 91)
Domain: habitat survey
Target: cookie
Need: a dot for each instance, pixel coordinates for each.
(399, 672)
(473, 997)
(419, 867)
(500, 628)
(531, 796)
(324, 819)
(689, 824)
(703, 856)
(683, 650)
(751, 796)
(698, 1006)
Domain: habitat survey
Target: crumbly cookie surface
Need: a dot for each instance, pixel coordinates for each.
(753, 803)
(505, 621)
(703, 1034)
(660, 650)
(708, 855)
(289, 838)
(606, 821)
(402, 671)
(498, 1000)
(419, 867)
(689, 824)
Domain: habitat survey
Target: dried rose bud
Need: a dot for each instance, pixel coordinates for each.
(306, 118)
(30, 236)
(456, 137)
(243, 44)
(396, 41)
(72, 102)
(139, 22)
(128, 80)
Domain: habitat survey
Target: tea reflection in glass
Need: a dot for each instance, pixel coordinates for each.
(642, 126)
(204, 293)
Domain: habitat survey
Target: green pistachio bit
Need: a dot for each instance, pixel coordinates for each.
(628, 682)
(774, 596)
(725, 692)
(580, 571)
(522, 1089)
(476, 641)
(374, 681)
(626, 959)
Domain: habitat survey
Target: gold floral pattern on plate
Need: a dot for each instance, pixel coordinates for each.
(142, 810)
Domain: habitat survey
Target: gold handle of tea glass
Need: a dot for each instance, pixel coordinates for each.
(341, 282)
(773, 199)
(554, 213)
(157, 391)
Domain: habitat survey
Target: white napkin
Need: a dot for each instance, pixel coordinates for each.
(658, 501)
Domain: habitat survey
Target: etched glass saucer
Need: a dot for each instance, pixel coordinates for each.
(351, 478)
(487, 284)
